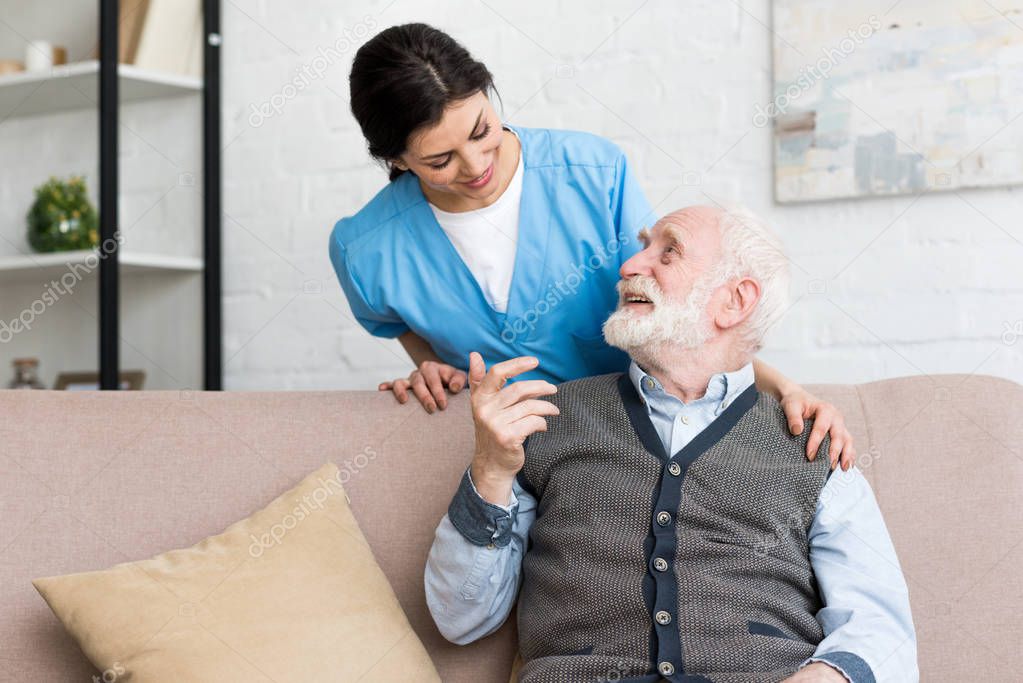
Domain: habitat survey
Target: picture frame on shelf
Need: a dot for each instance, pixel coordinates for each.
(131, 20)
(130, 380)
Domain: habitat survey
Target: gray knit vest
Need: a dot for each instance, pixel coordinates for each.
(691, 568)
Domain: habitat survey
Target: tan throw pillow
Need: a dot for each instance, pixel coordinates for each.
(291, 593)
(516, 667)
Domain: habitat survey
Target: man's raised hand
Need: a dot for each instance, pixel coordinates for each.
(504, 415)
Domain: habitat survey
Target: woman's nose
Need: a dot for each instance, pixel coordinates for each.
(476, 168)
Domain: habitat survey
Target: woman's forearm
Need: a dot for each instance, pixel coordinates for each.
(418, 349)
(770, 380)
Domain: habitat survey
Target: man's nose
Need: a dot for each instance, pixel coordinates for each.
(637, 264)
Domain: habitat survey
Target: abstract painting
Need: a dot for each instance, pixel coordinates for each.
(884, 97)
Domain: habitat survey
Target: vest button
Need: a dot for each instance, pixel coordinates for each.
(660, 564)
(666, 668)
(663, 518)
(674, 469)
(662, 618)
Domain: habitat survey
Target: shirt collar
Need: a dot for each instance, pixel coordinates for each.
(722, 388)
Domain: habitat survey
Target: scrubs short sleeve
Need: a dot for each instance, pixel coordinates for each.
(376, 319)
(630, 209)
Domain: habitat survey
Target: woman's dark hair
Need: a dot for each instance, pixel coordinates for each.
(403, 79)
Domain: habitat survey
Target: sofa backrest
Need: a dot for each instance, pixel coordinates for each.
(90, 479)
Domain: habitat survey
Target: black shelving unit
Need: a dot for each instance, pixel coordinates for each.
(109, 269)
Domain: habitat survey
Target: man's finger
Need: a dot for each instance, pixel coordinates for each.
(500, 373)
(527, 388)
(531, 407)
(385, 386)
(528, 425)
(477, 370)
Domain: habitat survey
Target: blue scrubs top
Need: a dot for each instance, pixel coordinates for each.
(580, 213)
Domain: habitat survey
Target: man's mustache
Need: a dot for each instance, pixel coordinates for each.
(639, 286)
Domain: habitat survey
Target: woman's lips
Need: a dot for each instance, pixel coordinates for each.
(483, 180)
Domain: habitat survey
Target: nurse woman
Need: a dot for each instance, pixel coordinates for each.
(491, 237)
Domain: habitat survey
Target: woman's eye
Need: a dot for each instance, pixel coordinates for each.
(442, 164)
(485, 133)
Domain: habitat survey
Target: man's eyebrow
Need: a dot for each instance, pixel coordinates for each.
(444, 154)
(674, 233)
(644, 236)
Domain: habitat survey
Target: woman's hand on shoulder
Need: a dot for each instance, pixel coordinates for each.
(799, 405)
(430, 383)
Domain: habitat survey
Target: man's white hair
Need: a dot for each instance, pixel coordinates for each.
(751, 249)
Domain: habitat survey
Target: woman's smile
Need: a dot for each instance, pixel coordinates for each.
(482, 180)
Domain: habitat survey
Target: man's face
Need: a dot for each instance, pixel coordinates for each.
(664, 291)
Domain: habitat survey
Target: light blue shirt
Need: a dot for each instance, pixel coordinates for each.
(470, 588)
(579, 216)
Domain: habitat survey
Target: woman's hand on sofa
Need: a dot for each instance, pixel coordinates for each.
(428, 383)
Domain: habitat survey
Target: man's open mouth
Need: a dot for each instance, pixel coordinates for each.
(636, 299)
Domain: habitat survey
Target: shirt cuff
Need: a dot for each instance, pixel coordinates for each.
(479, 521)
(853, 667)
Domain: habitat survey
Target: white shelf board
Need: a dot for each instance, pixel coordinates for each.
(76, 86)
(46, 266)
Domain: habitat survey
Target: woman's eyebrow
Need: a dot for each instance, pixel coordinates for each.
(442, 154)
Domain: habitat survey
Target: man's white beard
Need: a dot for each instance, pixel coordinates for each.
(642, 335)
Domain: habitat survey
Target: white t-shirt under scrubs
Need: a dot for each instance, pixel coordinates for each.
(487, 238)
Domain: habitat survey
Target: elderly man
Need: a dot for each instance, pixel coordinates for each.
(675, 530)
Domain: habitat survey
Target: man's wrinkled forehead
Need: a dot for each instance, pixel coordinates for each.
(684, 225)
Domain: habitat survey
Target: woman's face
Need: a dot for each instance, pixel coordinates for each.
(460, 154)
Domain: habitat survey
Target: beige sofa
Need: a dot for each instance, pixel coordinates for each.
(91, 479)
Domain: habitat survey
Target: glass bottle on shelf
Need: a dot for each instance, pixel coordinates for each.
(25, 375)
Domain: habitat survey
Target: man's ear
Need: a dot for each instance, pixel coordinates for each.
(743, 295)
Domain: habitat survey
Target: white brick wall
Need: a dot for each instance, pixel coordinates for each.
(883, 287)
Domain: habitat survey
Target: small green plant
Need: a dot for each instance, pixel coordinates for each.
(62, 218)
